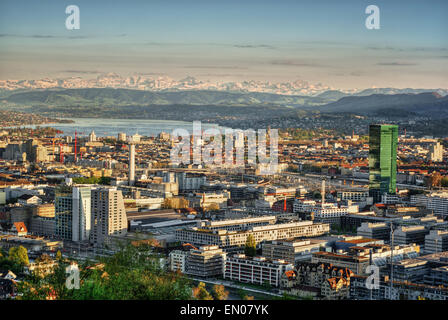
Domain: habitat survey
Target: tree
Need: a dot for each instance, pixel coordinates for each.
(251, 248)
(435, 179)
(19, 255)
(59, 255)
(444, 182)
(200, 293)
(220, 292)
(133, 273)
(43, 258)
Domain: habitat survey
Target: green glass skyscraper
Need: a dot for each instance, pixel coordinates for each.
(383, 140)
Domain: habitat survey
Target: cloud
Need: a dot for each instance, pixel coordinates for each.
(40, 36)
(82, 71)
(220, 75)
(49, 36)
(407, 49)
(396, 64)
(356, 73)
(151, 73)
(216, 67)
(296, 63)
(252, 46)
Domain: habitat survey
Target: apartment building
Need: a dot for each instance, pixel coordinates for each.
(108, 215)
(177, 260)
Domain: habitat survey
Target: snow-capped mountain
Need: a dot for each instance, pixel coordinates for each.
(164, 83)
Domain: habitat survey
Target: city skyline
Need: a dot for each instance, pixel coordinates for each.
(319, 42)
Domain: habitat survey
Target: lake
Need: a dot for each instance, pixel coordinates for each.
(111, 127)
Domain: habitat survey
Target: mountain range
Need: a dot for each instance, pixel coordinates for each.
(148, 82)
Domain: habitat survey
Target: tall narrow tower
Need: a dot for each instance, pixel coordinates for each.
(323, 191)
(131, 164)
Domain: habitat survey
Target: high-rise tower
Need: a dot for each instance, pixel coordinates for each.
(108, 215)
(383, 140)
(131, 164)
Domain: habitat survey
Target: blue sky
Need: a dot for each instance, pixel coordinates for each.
(317, 41)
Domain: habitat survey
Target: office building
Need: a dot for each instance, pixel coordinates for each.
(410, 234)
(82, 215)
(72, 213)
(383, 140)
(398, 291)
(292, 250)
(235, 240)
(436, 241)
(256, 270)
(63, 213)
(238, 224)
(206, 261)
(437, 202)
(436, 152)
(357, 258)
(378, 230)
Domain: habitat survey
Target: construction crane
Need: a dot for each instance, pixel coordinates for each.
(76, 141)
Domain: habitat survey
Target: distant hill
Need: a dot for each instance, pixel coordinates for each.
(89, 100)
(423, 103)
(109, 96)
(370, 91)
(332, 95)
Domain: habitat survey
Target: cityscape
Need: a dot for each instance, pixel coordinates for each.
(119, 183)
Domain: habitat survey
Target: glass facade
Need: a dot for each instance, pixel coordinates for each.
(383, 140)
(63, 214)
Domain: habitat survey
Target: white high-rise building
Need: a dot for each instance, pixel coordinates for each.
(92, 136)
(436, 152)
(81, 213)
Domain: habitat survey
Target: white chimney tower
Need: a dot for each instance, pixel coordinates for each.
(323, 192)
(131, 164)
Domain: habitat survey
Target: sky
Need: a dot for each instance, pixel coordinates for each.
(320, 41)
